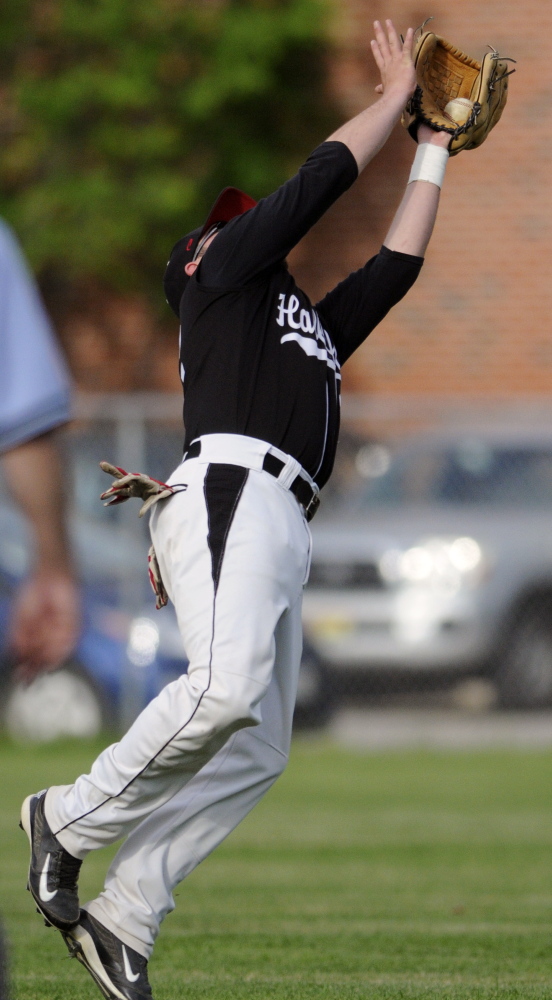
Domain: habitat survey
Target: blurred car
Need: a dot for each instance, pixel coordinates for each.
(440, 564)
(127, 650)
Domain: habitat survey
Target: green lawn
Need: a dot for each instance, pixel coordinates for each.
(396, 875)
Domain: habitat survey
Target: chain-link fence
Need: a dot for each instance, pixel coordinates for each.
(431, 579)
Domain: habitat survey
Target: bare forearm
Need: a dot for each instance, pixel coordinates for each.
(367, 132)
(36, 480)
(411, 229)
(45, 620)
(413, 224)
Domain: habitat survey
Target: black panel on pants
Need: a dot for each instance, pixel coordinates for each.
(223, 487)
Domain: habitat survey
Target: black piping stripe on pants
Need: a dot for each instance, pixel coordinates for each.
(222, 487)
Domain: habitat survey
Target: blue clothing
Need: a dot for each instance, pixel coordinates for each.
(34, 381)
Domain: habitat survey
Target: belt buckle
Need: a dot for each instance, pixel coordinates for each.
(312, 506)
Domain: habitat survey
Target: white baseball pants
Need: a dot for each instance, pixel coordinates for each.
(234, 551)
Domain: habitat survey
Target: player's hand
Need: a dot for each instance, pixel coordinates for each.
(430, 135)
(394, 61)
(45, 622)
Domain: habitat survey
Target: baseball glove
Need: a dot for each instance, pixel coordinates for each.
(446, 74)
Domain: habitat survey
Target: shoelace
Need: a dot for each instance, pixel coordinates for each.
(68, 871)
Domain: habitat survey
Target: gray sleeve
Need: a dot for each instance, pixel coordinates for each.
(35, 387)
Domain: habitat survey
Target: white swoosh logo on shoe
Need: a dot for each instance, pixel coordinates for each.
(43, 890)
(131, 976)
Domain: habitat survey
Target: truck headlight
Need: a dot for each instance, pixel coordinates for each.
(143, 641)
(443, 563)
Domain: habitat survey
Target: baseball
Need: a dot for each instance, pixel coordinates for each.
(459, 110)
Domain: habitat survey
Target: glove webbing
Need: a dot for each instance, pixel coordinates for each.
(414, 108)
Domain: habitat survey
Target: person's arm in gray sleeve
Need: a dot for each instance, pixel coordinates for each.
(34, 400)
(35, 388)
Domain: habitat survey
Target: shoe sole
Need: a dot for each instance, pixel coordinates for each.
(26, 826)
(80, 945)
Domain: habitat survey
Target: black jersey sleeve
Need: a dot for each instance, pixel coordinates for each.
(262, 237)
(355, 307)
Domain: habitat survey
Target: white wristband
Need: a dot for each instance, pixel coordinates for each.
(429, 164)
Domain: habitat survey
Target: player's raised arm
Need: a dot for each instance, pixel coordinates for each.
(463, 122)
(367, 132)
(412, 226)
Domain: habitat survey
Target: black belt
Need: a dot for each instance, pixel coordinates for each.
(301, 489)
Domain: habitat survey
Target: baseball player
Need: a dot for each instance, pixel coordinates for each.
(261, 372)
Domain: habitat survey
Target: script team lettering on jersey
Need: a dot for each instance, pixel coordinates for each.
(305, 329)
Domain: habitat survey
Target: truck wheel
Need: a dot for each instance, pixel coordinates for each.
(524, 677)
(314, 705)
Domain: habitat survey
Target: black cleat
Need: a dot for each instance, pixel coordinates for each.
(53, 872)
(119, 971)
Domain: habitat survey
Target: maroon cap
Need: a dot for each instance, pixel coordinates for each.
(230, 203)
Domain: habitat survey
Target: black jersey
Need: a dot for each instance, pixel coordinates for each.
(257, 358)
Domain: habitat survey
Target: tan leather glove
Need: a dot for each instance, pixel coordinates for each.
(445, 74)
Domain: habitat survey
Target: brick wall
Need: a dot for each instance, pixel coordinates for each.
(478, 320)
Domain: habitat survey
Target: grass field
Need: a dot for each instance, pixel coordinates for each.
(401, 875)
